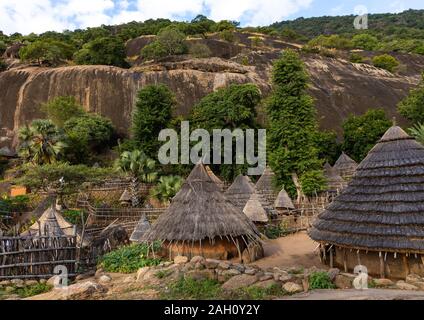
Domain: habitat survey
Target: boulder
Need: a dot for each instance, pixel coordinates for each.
(224, 265)
(199, 275)
(187, 267)
(5, 283)
(402, 285)
(285, 278)
(99, 273)
(250, 271)
(84, 276)
(231, 272)
(266, 284)
(266, 276)
(211, 263)
(17, 282)
(383, 283)
(291, 287)
(180, 260)
(105, 279)
(412, 278)
(141, 272)
(80, 291)
(239, 281)
(197, 259)
(54, 281)
(344, 281)
(31, 282)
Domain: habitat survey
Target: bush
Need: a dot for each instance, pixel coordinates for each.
(129, 259)
(275, 231)
(200, 50)
(320, 280)
(51, 52)
(61, 109)
(365, 41)
(331, 42)
(412, 107)
(153, 51)
(386, 62)
(74, 216)
(173, 41)
(356, 58)
(30, 291)
(14, 204)
(227, 35)
(190, 289)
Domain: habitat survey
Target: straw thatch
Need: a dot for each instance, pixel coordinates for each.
(215, 179)
(239, 192)
(283, 201)
(335, 183)
(382, 207)
(200, 211)
(142, 227)
(255, 210)
(125, 198)
(345, 166)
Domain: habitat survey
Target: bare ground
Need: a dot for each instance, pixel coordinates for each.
(352, 294)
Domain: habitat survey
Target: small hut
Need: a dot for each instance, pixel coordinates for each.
(345, 166)
(142, 227)
(255, 210)
(202, 221)
(240, 191)
(378, 219)
(283, 202)
(215, 179)
(335, 183)
(125, 199)
(265, 185)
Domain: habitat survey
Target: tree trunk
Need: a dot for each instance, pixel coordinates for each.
(300, 195)
(135, 201)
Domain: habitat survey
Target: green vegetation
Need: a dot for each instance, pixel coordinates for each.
(328, 148)
(292, 127)
(51, 52)
(61, 109)
(74, 216)
(356, 58)
(412, 107)
(365, 41)
(417, 131)
(129, 259)
(386, 62)
(200, 50)
(14, 204)
(27, 291)
(167, 188)
(361, 133)
(258, 293)
(275, 231)
(170, 41)
(190, 289)
(320, 280)
(331, 42)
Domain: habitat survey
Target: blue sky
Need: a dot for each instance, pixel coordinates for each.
(27, 16)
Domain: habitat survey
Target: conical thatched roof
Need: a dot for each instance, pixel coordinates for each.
(264, 186)
(239, 192)
(215, 179)
(283, 201)
(327, 166)
(335, 182)
(51, 223)
(142, 227)
(201, 211)
(255, 210)
(345, 163)
(382, 207)
(125, 197)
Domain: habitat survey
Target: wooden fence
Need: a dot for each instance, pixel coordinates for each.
(36, 257)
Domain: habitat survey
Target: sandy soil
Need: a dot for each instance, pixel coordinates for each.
(352, 294)
(294, 250)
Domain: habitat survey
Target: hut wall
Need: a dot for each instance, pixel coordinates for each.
(395, 268)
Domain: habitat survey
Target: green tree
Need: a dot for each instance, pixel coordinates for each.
(365, 41)
(361, 133)
(61, 109)
(167, 188)
(292, 127)
(138, 167)
(386, 62)
(153, 112)
(200, 50)
(328, 148)
(41, 142)
(412, 107)
(103, 51)
(417, 131)
(331, 42)
(51, 52)
(154, 50)
(173, 41)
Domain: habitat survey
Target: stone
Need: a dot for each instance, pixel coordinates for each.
(285, 278)
(180, 260)
(383, 283)
(250, 271)
(167, 264)
(266, 284)
(224, 265)
(239, 267)
(211, 263)
(5, 283)
(197, 259)
(420, 285)
(231, 272)
(402, 285)
(199, 266)
(412, 278)
(266, 276)
(42, 281)
(31, 282)
(291, 287)
(187, 267)
(141, 272)
(199, 275)
(99, 273)
(332, 273)
(105, 279)
(344, 280)
(84, 276)
(17, 282)
(129, 279)
(239, 281)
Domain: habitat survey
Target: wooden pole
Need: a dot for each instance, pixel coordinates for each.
(406, 265)
(345, 260)
(331, 258)
(382, 266)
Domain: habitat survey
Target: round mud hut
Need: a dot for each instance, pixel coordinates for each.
(240, 191)
(345, 166)
(378, 220)
(201, 221)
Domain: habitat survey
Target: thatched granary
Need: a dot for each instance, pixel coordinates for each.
(240, 191)
(283, 201)
(345, 166)
(378, 220)
(215, 179)
(202, 221)
(142, 227)
(255, 210)
(265, 185)
(335, 183)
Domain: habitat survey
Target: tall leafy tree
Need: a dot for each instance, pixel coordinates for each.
(153, 112)
(412, 107)
(292, 127)
(61, 109)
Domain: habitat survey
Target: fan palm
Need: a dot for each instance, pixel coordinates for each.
(167, 188)
(417, 132)
(138, 167)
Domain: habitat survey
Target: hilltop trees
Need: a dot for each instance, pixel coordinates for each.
(412, 107)
(61, 109)
(46, 51)
(292, 127)
(170, 41)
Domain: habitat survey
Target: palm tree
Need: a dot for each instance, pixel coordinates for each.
(138, 167)
(167, 188)
(417, 132)
(41, 142)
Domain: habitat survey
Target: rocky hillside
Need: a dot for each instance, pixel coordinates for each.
(340, 87)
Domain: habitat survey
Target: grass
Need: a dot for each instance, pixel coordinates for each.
(190, 289)
(320, 280)
(162, 274)
(27, 291)
(258, 293)
(128, 259)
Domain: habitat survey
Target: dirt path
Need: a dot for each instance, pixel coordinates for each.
(352, 294)
(290, 251)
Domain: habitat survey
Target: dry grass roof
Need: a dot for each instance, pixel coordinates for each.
(283, 201)
(334, 181)
(265, 182)
(51, 223)
(345, 163)
(382, 208)
(254, 209)
(200, 211)
(239, 192)
(142, 227)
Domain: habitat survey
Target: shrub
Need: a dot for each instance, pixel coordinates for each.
(356, 58)
(365, 41)
(200, 50)
(386, 62)
(74, 216)
(331, 42)
(173, 41)
(275, 231)
(29, 291)
(412, 107)
(61, 109)
(129, 259)
(153, 51)
(227, 35)
(320, 280)
(190, 289)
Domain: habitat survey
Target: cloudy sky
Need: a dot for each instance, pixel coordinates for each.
(27, 16)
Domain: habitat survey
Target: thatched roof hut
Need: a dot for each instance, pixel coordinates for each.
(283, 201)
(215, 178)
(380, 213)
(125, 198)
(239, 192)
(335, 183)
(142, 227)
(202, 221)
(345, 166)
(254, 209)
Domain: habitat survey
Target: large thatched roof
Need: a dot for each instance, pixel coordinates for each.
(239, 192)
(255, 210)
(142, 227)
(283, 201)
(201, 211)
(382, 208)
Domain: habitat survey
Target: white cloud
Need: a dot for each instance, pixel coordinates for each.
(27, 16)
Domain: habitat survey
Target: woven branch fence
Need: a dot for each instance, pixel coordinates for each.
(36, 257)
